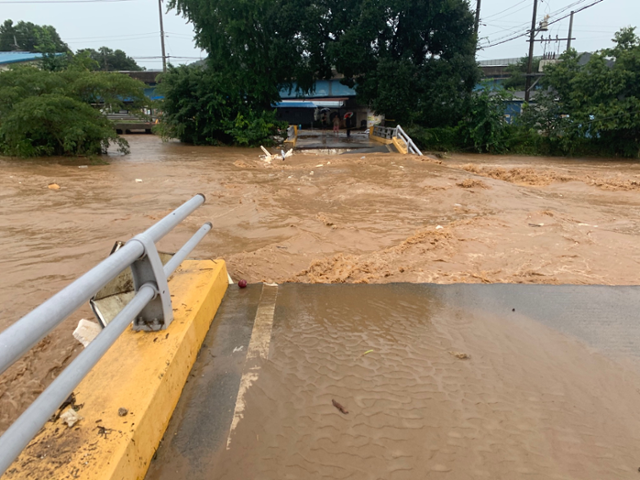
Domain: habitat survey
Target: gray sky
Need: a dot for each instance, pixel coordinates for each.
(132, 25)
(593, 28)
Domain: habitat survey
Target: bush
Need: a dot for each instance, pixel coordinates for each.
(202, 107)
(57, 113)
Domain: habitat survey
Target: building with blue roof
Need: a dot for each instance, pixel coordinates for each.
(8, 59)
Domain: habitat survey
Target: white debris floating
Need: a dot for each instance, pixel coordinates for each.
(86, 331)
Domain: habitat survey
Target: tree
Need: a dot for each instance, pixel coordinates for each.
(258, 45)
(200, 107)
(413, 60)
(28, 37)
(517, 79)
(59, 113)
(109, 60)
(596, 104)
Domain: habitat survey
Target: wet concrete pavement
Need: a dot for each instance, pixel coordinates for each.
(439, 381)
(325, 141)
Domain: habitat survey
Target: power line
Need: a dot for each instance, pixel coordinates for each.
(521, 25)
(524, 34)
(499, 15)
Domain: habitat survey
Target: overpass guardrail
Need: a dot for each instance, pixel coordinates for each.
(149, 310)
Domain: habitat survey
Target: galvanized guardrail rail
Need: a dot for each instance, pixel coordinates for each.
(389, 133)
(400, 133)
(149, 310)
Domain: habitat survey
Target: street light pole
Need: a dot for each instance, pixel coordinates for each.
(164, 55)
(478, 17)
(527, 86)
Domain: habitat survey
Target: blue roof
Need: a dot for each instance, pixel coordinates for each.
(294, 105)
(16, 57)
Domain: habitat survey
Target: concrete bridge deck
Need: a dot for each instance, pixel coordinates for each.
(439, 381)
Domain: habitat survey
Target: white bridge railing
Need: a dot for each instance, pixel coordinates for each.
(389, 133)
(400, 133)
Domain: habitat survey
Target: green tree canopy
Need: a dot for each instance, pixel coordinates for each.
(517, 79)
(595, 103)
(413, 60)
(28, 37)
(202, 108)
(258, 45)
(62, 113)
(109, 60)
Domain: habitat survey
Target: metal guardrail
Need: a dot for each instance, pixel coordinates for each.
(383, 132)
(400, 133)
(389, 133)
(150, 310)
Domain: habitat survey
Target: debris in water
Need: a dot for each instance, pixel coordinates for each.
(86, 331)
(362, 158)
(311, 172)
(320, 165)
(138, 180)
(122, 412)
(536, 224)
(460, 355)
(340, 407)
(366, 353)
(54, 186)
(83, 166)
(439, 227)
(242, 283)
(70, 417)
(238, 349)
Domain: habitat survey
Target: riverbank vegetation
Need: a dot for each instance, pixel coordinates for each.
(582, 108)
(62, 112)
(409, 60)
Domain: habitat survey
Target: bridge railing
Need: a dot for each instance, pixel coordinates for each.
(400, 133)
(383, 132)
(150, 310)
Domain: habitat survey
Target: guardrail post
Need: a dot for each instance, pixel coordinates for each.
(148, 270)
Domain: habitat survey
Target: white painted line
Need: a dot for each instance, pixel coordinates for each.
(257, 352)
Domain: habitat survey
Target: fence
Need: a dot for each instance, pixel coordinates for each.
(150, 310)
(400, 133)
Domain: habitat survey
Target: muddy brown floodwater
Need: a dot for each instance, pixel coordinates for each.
(368, 218)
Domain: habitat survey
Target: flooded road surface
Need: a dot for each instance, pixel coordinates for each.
(370, 218)
(429, 381)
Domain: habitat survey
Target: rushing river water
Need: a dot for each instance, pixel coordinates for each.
(348, 218)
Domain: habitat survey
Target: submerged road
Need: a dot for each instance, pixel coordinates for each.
(439, 381)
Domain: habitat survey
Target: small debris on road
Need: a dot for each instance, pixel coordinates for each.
(70, 417)
(460, 355)
(340, 407)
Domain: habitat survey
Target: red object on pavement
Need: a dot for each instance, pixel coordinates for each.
(242, 283)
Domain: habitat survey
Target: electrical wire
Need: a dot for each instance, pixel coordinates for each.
(524, 34)
(505, 10)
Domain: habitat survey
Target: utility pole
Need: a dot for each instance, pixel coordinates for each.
(478, 18)
(527, 85)
(164, 55)
(570, 32)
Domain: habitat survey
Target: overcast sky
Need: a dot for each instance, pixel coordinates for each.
(133, 26)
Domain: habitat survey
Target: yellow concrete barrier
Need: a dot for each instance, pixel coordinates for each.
(126, 401)
(375, 138)
(400, 145)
